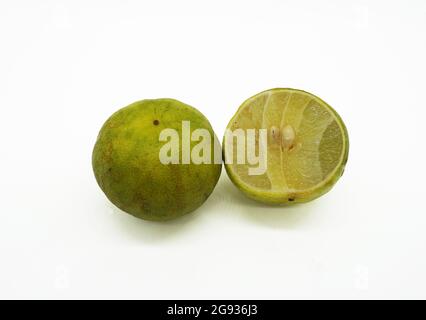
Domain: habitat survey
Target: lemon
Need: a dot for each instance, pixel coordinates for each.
(128, 167)
(306, 147)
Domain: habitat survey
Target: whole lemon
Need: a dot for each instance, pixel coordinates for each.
(147, 159)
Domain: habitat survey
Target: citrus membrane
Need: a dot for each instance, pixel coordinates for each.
(306, 150)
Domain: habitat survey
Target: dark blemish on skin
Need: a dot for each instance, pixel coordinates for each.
(156, 122)
(290, 199)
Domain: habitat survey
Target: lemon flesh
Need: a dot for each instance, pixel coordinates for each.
(306, 151)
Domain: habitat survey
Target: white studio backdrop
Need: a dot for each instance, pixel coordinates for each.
(65, 66)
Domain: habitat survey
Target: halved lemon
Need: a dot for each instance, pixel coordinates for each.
(306, 147)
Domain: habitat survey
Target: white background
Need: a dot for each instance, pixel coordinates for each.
(65, 66)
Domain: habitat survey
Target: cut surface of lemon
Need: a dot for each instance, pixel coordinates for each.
(306, 147)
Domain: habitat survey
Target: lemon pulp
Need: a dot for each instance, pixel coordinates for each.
(307, 146)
